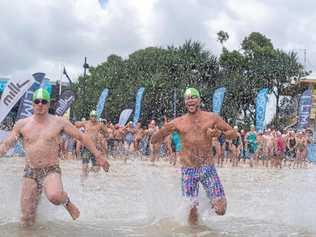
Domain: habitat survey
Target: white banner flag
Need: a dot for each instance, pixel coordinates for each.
(14, 90)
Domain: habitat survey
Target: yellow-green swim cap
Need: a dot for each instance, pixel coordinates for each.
(41, 94)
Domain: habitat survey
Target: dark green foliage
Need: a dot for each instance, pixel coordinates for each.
(161, 71)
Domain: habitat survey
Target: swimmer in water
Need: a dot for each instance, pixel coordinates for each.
(40, 133)
(197, 129)
(92, 128)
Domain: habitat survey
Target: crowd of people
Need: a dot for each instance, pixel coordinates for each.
(271, 148)
(197, 141)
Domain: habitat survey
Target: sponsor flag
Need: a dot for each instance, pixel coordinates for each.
(14, 90)
(218, 98)
(138, 105)
(124, 116)
(101, 102)
(311, 152)
(65, 100)
(304, 109)
(261, 104)
(25, 108)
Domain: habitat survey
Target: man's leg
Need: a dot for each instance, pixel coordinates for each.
(55, 194)
(190, 190)
(214, 189)
(29, 199)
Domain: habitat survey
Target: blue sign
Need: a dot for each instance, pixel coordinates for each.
(101, 102)
(218, 98)
(304, 109)
(124, 116)
(261, 103)
(311, 152)
(138, 105)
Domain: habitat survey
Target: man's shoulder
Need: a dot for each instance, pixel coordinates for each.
(22, 122)
(210, 114)
(59, 119)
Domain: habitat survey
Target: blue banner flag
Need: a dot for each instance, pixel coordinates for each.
(311, 152)
(124, 116)
(101, 102)
(25, 108)
(138, 105)
(304, 109)
(218, 98)
(261, 104)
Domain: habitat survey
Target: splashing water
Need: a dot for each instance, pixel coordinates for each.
(139, 199)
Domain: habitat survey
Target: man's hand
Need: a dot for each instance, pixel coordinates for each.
(213, 132)
(103, 163)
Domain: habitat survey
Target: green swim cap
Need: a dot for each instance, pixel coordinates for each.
(93, 113)
(192, 92)
(41, 94)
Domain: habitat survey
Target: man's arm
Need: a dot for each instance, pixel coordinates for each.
(104, 131)
(166, 130)
(228, 131)
(11, 139)
(86, 141)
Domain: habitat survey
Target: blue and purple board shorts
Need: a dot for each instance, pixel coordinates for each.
(207, 176)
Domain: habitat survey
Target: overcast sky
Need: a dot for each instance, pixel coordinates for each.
(46, 35)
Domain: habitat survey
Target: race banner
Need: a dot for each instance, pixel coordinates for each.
(65, 100)
(138, 105)
(124, 116)
(101, 102)
(25, 108)
(304, 109)
(261, 104)
(218, 98)
(311, 152)
(14, 90)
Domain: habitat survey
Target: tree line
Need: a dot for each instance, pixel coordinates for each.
(166, 72)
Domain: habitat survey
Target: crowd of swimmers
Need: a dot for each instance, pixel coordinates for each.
(270, 149)
(196, 141)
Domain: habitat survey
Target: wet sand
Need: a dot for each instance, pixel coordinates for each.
(139, 199)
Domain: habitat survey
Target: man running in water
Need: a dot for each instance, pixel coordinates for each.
(40, 133)
(197, 129)
(91, 128)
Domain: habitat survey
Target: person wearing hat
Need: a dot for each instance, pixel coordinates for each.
(40, 133)
(197, 129)
(92, 128)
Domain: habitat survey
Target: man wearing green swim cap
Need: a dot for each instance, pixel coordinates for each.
(41, 135)
(197, 129)
(97, 132)
(41, 100)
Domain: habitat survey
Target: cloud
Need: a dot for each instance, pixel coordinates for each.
(44, 35)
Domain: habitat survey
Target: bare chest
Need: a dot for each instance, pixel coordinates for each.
(194, 131)
(34, 132)
(92, 128)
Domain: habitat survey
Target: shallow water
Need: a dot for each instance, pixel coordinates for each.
(139, 199)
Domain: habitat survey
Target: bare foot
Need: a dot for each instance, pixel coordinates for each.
(73, 210)
(193, 216)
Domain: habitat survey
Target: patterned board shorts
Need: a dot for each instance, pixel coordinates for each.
(207, 176)
(39, 174)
